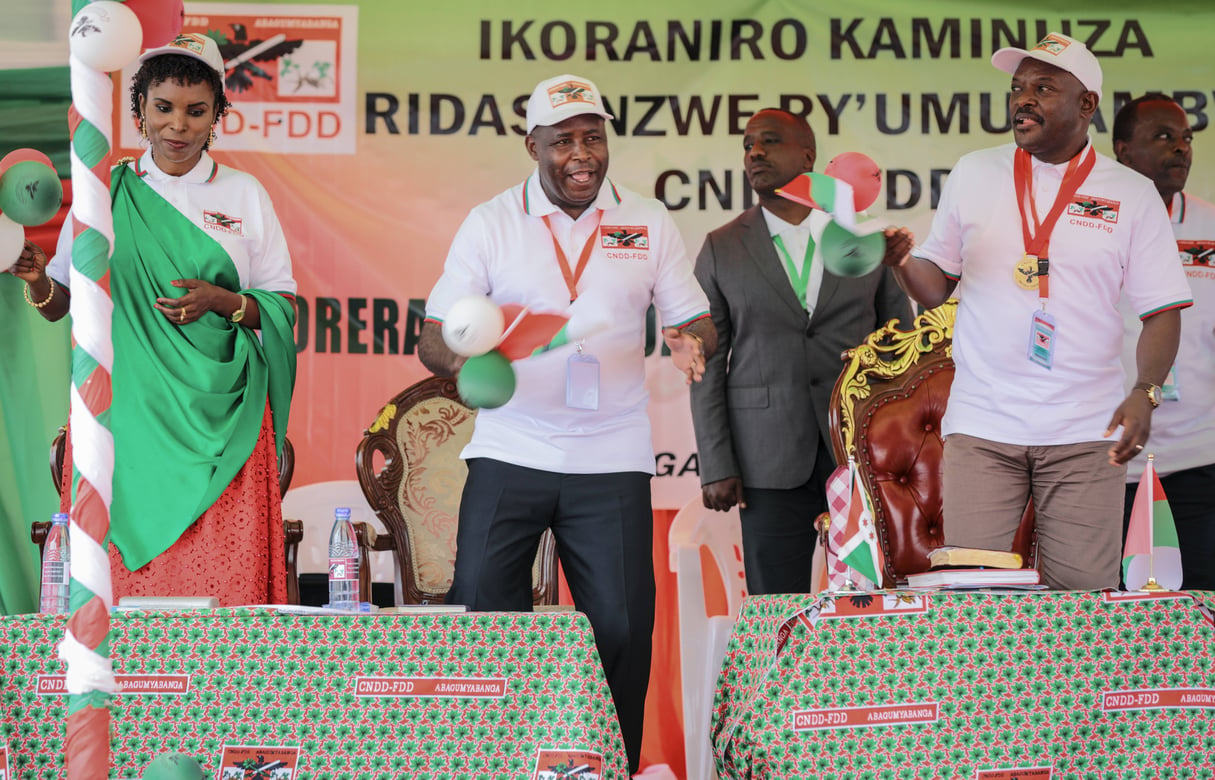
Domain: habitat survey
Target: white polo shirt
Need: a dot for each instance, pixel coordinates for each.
(229, 205)
(998, 394)
(504, 250)
(1183, 430)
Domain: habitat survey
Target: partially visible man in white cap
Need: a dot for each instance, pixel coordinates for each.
(571, 450)
(1039, 239)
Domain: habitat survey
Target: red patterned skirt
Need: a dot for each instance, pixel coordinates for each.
(234, 552)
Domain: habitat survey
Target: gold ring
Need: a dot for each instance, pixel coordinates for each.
(182, 318)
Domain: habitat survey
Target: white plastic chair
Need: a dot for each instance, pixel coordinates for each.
(703, 637)
(313, 505)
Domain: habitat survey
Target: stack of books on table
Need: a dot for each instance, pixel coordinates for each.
(964, 567)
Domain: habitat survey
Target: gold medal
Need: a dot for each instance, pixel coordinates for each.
(1026, 273)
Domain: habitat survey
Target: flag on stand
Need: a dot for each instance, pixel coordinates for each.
(1151, 550)
(852, 552)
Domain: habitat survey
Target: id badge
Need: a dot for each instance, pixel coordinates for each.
(1042, 339)
(1170, 390)
(582, 381)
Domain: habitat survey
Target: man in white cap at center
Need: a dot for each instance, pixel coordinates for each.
(571, 450)
(1037, 240)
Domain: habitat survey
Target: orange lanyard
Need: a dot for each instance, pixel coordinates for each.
(1037, 243)
(572, 276)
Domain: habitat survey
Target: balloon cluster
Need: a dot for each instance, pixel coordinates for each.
(850, 184)
(30, 194)
(107, 35)
(472, 328)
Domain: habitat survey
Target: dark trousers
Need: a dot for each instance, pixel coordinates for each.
(603, 525)
(778, 531)
(1191, 496)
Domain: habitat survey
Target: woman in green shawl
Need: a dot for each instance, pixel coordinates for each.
(204, 352)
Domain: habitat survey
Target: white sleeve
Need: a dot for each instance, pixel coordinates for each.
(1153, 281)
(678, 296)
(466, 270)
(270, 260)
(943, 247)
(60, 267)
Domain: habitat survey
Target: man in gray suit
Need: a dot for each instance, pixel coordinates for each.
(782, 320)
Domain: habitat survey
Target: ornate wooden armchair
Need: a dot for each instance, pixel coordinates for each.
(415, 490)
(886, 413)
(293, 530)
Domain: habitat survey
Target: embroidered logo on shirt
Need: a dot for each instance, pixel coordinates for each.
(1197, 253)
(222, 223)
(571, 92)
(1093, 208)
(624, 237)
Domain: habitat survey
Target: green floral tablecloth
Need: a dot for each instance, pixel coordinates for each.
(489, 695)
(901, 685)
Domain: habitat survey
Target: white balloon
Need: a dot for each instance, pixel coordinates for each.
(105, 35)
(473, 326)
(12, 241)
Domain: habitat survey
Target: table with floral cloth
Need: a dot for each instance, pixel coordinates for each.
(969, 684)
(256, 693)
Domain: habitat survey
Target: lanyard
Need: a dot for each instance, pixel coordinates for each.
(572, 277)
(802, 280)
(1037, 244)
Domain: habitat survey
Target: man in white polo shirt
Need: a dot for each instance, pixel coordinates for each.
(572, 449)
(1152, 135)
(1040, 239)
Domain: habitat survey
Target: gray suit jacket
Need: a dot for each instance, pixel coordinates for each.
(763, 401)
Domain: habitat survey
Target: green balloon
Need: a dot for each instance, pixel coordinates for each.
(173, 766)
(486, 381)
(847, 254)
(30, 193)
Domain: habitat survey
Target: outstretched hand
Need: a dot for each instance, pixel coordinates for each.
(687, 352)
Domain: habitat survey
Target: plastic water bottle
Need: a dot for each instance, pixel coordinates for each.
(56, 568)
(343, 562)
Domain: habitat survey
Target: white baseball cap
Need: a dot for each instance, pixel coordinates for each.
(1056, 49)
(561, 97)
(195, 45)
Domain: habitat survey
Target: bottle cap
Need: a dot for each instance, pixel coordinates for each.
(59, 518)
(342, 512)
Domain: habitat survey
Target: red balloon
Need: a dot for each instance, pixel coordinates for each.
(22, 155)
(862, 173)
(161, 20)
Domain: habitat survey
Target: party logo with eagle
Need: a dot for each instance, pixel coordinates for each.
(255, 762)
(222, 223)
(624, 237)
(1094, 208)
(1200, 254)
(567, 765)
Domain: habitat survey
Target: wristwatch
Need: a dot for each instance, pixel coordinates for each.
(239, 314)
(1154, 393)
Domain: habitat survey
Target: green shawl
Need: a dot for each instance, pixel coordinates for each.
(188, 401)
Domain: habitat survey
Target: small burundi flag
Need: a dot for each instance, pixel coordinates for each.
(858, 548)
(1151, 557)
(825, 193)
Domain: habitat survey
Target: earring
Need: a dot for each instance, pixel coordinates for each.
(211, 139)
(143, 127)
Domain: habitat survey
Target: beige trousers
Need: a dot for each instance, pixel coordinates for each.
(1077, 497)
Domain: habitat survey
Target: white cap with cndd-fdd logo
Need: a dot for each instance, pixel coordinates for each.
(1056, 49)
(561, 97)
